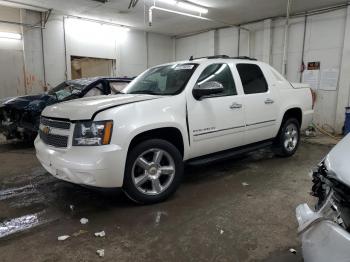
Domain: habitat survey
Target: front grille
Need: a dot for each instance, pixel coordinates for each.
(55, 123)
(54, 140)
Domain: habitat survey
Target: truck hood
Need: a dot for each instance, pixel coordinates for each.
(338, 161)
(85, 108)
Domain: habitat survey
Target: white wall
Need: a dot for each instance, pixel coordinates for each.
(160, 49)
(23, 72)
(196, 46)
(11, 57)
(227, 41)
(134, 51)
(33, 53)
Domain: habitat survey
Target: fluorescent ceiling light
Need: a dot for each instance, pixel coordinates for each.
(10, 35)
(186, 6)
(179, 13)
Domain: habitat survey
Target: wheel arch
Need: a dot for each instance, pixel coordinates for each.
(171, 134)
(294, 112)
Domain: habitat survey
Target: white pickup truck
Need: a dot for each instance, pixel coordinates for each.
(192, 111)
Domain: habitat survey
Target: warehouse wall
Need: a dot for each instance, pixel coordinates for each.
(324, 42)
(134, 51)
(11, 57)
(22, 61)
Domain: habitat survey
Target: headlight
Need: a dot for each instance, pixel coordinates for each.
(92, 133)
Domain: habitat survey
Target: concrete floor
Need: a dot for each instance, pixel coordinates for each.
(212, 217)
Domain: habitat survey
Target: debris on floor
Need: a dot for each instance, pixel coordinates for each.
(100, 234)
(292, 250)
(245, 184)
(84, 221)
(221, 231)
(100, 252)
(80, 232)
(62, 238)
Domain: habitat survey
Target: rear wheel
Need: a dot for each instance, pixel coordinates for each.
(153, 171)
(288, 138)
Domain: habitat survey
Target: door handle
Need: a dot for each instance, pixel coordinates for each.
(269, 101)
(236, 106)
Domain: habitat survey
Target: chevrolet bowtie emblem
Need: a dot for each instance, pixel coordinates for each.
(46, 130)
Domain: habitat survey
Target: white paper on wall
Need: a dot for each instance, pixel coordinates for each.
(329, 79)
(312, 77)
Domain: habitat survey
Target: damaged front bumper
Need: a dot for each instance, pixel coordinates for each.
(323, 239)
(100, 168)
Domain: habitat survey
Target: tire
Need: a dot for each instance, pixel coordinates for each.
(288, 138)
(153, 172)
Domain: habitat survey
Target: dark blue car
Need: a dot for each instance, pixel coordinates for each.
(20, 116)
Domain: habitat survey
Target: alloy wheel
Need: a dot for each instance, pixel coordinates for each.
(153, 171)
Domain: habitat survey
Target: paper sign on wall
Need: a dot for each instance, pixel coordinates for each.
(311, 77)
(329, 79)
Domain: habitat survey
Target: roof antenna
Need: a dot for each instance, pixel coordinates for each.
(191, 58)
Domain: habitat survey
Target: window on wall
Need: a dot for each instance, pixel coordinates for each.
(253, 79)
(220, 73)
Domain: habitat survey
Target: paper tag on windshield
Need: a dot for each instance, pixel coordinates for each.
(184, 67)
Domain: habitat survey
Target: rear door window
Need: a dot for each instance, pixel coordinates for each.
(253, 79)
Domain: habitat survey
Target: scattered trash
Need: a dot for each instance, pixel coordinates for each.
(62, 238)
(100, 234)
(245, 184)
(221, 231)
(292, 250)
(84, 221)
(100, 252)
(80, 232)
(71, 207)
(158, 217)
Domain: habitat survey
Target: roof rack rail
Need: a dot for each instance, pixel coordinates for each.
(245, 58)
(223, 57)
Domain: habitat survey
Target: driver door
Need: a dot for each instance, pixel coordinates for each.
(217, 122)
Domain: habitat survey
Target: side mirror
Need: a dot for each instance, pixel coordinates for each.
(207, 89)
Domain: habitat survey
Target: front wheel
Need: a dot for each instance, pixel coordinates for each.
(288, 138)
(153, 172)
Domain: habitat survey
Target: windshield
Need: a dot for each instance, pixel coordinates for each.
(65, 89)
(163, 80)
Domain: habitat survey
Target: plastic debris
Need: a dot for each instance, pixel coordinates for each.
(62, 238)
(100, 252)
(245, 184)
(292, 250)
(80, 232)
(100, 234)
(71, 207)
(84, 221)
(221, 231)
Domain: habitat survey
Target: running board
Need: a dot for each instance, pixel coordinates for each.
(227, 154)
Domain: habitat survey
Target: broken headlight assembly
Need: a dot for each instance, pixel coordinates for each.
(92, 133)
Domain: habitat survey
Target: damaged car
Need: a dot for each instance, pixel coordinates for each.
(20, 116)
(325, 230)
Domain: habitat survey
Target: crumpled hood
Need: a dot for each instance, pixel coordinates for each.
(85, 108)
(22, 102)
(338, 160)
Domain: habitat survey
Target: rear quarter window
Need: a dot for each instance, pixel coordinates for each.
(253, 79)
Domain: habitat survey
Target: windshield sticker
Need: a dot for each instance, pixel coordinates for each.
(184, 67)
